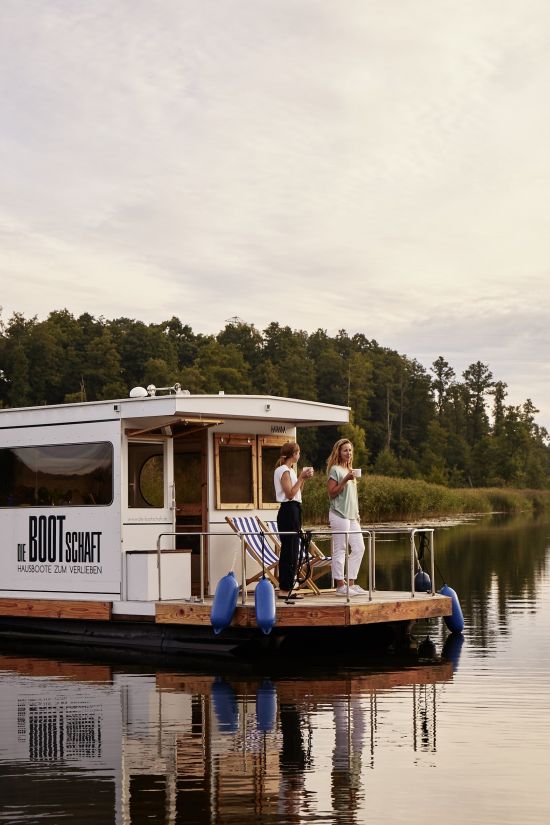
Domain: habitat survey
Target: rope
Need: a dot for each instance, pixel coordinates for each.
(418, 554)
(422, 544)
(303, 560)
(438, 571)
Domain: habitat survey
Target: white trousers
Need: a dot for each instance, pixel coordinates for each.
(356, 543)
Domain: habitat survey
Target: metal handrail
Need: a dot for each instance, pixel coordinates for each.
(370, 533)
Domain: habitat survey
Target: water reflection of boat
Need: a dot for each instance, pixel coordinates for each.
(199, 746)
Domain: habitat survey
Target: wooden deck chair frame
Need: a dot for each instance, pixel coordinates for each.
(250, 529)
(317, 558)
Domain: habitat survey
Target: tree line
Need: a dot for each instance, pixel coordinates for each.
(406, 420)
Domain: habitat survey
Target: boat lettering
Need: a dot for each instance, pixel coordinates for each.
(49, 541)
(45, 538)
(83, 546)
(34, 568)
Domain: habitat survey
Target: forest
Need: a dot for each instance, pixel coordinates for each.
(407, 420)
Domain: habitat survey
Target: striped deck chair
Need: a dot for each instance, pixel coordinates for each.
(249, 527)
(318, 562)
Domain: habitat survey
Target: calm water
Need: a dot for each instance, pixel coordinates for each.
(465, 740)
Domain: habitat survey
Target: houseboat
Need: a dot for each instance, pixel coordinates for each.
(115, 525)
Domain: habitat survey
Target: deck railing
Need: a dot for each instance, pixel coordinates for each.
(371, 534)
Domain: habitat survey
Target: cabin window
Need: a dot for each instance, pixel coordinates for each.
(269, 451)
(146, 475)
(235, 457)
(68, 475)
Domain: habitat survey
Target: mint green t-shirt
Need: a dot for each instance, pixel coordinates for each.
(345, 504)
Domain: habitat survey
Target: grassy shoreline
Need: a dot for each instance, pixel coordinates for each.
(383, 498)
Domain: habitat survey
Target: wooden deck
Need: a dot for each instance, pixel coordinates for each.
(326, 610)
(56, 609)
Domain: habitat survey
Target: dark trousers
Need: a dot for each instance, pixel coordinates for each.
(289, 517)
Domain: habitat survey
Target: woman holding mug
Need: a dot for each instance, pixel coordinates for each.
(288, 491)
(344, 517)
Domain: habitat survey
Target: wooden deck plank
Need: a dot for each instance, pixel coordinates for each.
(398, 611)
(182, 613)
(56, 609)
(327, 610)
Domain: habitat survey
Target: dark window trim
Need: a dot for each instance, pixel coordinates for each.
(66, 504)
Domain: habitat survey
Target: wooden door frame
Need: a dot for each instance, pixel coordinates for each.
(200, 435)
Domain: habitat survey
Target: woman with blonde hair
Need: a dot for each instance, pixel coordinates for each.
(344, 518)
(288, 491)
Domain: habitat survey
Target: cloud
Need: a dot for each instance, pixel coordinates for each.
(378, 169)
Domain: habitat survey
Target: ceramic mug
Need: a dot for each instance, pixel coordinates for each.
(357, 473)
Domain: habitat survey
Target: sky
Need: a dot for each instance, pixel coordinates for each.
(378, 166)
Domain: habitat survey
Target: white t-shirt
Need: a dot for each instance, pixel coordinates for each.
(279, 492)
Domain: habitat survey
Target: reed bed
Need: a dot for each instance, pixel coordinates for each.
(384, 498)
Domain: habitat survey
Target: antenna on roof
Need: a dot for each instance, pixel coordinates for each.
(234, 320)
(151, 391)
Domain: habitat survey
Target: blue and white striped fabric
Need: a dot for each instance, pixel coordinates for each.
(273, 527)
(253, 535)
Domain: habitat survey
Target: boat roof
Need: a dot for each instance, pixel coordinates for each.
(148, 410)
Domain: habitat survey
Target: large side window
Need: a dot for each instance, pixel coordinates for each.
(235, 457)
(146, 474)
(269, 450)
(68, 475)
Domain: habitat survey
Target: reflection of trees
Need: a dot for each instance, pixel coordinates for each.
(494, 565)
(491, 565)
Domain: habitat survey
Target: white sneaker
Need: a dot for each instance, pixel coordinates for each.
(358, 590)
(343, 591)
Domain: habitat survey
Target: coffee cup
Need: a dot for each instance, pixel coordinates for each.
(357, 473)
(308, 470)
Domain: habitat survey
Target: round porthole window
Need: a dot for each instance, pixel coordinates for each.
(151, 481)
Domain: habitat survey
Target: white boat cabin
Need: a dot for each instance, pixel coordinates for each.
(86, 490)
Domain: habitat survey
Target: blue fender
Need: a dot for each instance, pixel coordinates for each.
(225, 706)
(225, 602)
(264, 601)
(422, 582)
(266, 706)
(455, 622)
